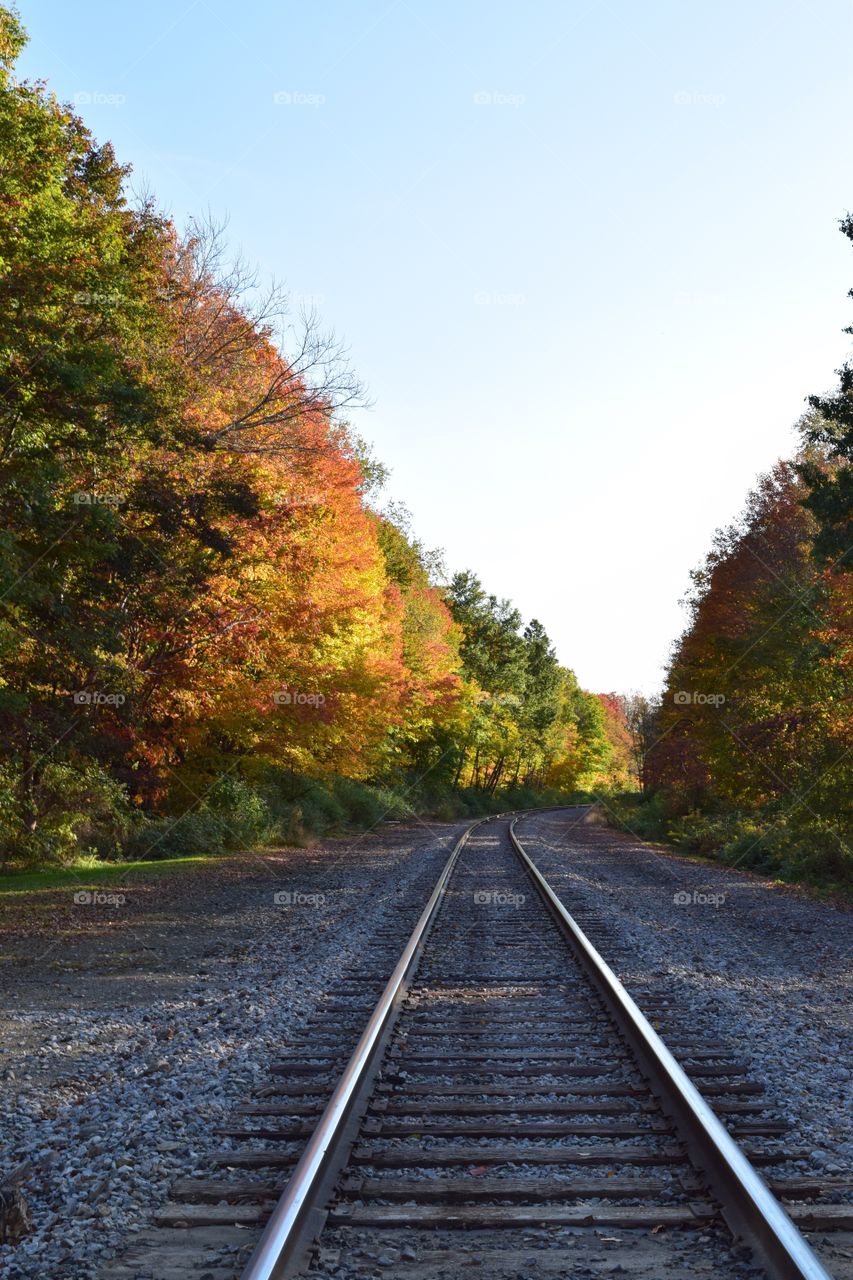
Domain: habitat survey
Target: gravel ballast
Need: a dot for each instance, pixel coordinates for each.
(764, 967)
(130, 1032)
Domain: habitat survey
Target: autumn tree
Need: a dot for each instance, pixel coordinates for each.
(755, 717)
(196, 593)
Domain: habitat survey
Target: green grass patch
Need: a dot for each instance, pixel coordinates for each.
(87, 873)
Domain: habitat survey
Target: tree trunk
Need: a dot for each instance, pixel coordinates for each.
(27, 790)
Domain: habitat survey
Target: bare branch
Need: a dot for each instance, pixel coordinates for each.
(231, 330)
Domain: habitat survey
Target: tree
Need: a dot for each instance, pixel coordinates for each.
(639, 715)
(829, 477)
(193, 583)
(753, 711)
(494, 661)
(76, 396)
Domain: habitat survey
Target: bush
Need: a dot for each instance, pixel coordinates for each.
(817, 851)
(233, 816)
(195, 833)
(365, 805)
(766, 841)
(79, 808)
(84, 810)
(647, 817)
(240, 809)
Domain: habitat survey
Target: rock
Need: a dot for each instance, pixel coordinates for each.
(14, 1216)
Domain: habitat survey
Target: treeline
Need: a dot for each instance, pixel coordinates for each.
(750, 752)
(210, 634)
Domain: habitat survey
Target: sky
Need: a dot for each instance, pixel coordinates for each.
(585, 255)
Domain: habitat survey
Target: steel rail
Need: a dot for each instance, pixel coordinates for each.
(750, 1209)
(291, 1226)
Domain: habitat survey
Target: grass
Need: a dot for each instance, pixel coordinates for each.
(89, 872)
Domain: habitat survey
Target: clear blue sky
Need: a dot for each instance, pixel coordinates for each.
(586, 255)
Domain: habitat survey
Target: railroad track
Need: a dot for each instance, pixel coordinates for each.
(507, 1107)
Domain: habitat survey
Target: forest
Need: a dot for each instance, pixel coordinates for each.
(217, 631)
(214, 631)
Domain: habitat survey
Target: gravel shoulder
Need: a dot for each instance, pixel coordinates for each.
(765, 966)
(129, 1029)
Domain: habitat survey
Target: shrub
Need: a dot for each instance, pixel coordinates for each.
(79, 807)
(194, 833)
(239, 808)
(765, 840)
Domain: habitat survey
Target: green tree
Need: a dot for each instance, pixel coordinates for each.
(829, 477)
(75, 389)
